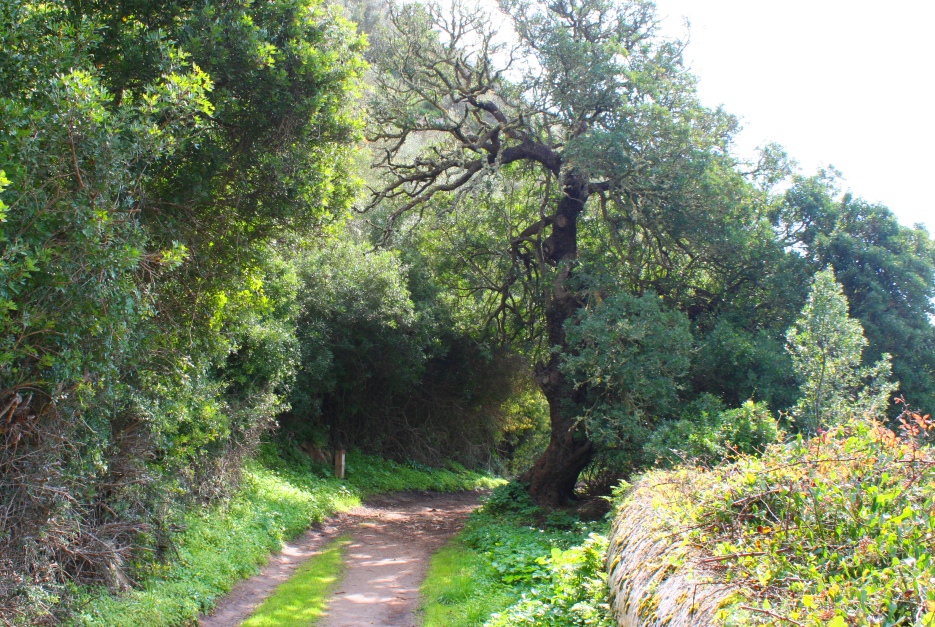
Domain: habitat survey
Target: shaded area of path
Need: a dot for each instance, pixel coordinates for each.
(392, 538)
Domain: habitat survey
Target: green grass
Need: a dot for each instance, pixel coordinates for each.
(461, 589)
(300, 601)
(510, 567)
(277, 499)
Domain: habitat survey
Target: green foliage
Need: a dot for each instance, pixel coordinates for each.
(77, 216)
(358, 331)
(461, 588)
(383, 367)
(708, 433)
(630, 354)
(522, 574)
(546, 192)
(525, 429)
(735, 364)
(826, 346)
(172, 278)
(830, 530)
(573, 595)
(513, 501)
(887, 271)
(159, 160)
(517, 548)
(302, 599)
(374, 475)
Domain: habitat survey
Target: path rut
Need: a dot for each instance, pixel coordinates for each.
(392, 538)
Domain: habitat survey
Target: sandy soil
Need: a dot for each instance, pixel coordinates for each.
(392, 538)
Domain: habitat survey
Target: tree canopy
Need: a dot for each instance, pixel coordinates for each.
(887, 272)
(573, 124)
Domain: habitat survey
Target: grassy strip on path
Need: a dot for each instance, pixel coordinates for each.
(277, 499)
(461, 588)
(515, 565)
(300, 601)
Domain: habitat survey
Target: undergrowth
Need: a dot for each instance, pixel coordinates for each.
(515, 565)
(832, 531)
(279, 497)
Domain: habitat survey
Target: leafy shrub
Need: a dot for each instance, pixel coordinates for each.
(513, 500)
(358, 332)
(847, 522)
(157, 162)
(630, 354)
(573, 594)
(709, 434)
(831, 530)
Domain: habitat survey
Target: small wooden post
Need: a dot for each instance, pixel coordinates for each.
(339, 464)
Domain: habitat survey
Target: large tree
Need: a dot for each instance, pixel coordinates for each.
(582, 116)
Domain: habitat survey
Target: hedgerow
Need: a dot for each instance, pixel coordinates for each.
(831, 530)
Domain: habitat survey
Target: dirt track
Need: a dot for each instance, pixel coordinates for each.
(392, 538)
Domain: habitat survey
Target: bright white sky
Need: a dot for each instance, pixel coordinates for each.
(848, 83)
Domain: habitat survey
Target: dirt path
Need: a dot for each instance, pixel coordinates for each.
(392, 538)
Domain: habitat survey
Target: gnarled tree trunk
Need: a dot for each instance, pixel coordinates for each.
(553, 476)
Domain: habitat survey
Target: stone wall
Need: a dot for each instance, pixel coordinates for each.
(656, 577)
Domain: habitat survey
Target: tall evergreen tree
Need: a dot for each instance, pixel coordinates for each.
(887, 272)
(826, 345)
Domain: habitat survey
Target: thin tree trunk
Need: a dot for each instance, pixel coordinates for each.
(553, 476)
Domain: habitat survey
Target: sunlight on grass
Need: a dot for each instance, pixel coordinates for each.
(277, 499)
(461, 590)
(300, 601)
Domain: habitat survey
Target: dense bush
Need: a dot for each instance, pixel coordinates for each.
(383, 368)
(629, 357)
(158, 158)
(735, 363)
(572, 593)
(830, 530)
(709, 433)
(358, 329)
